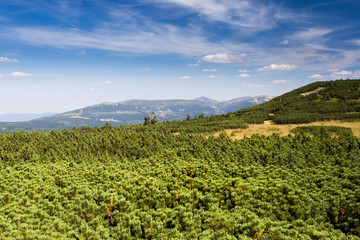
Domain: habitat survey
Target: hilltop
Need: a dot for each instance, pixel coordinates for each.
(318, 101)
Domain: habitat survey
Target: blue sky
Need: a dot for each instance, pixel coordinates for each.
(58, 55)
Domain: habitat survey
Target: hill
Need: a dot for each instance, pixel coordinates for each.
(145, 182)
(133, 112)
(319, 101)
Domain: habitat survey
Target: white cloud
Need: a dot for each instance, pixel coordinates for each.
(341, 74)
(212, 76)
(311, 33)
(280, 81)
(19, 74)
(272, 67)
(224, 58)
(8, 60)
(145, 69)
(244, 75)
(285, 42)
(186, 77)
(242, 13)
(251, 85)
(91, 89)
(194, 65)
(243, 70)
(332, 70)
(356, 41)
(147, 39)
(316, 76)
(102, 83)
(356, 74)
(210, 70)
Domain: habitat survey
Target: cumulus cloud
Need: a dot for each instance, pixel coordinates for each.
(186, 77)
(316, 76)
(210, 70)
(224, 58)
(8, 60)
(244, 75)
(280, 81)
(273, 67)
(341, 74)
(19, 74)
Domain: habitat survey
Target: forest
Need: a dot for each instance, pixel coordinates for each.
(145, 182)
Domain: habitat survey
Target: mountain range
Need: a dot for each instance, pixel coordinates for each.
(133, 112)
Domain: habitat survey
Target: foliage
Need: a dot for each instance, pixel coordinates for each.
(323, 130)
(319, 101)
(144, 182)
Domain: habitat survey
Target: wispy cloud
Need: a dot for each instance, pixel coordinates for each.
(212, 76)
(281, 81)
(280, 67)
(210, 70)
(311, 34)
(243, 13)
(145, 69)
(8, 60)
(194, 65)
(285, 42)
(224, 58)
(159, 40)
(15, 75)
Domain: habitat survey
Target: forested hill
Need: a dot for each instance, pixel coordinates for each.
(327, 100)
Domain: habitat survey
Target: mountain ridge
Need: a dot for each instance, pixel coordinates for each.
(133, 111)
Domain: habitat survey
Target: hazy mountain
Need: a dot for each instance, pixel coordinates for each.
(133, 112)
(205, 99)
(21, 117)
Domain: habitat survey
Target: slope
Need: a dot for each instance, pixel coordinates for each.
(319, 101)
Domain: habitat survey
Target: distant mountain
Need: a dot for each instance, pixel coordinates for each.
(205, 99)
(21, 117)
(133, 112)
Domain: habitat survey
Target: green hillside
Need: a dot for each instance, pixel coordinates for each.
(143, 182)
(146, 182)
(327, 100)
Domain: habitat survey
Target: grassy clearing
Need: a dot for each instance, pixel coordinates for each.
(269, 128)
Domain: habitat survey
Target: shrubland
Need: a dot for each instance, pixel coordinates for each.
(144, 182)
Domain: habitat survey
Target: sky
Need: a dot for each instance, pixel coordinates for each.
(61, 55)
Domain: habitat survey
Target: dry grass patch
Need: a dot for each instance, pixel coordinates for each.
(268, 128)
